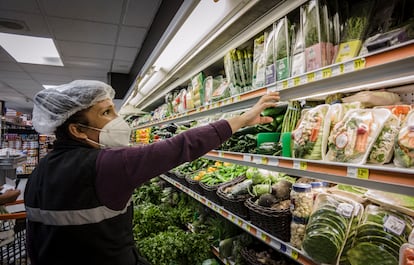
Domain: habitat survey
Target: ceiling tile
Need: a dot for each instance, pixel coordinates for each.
(36, 25)
(140, 13)
(76, 30)
(122, 67)
(131, 36)
(8, 75)
(86, 50)
(44, 69)
(47, 79)
(5, 56)
(89, 63)
(20, 5)
(10, 66)
(125, 53)
(108, 11)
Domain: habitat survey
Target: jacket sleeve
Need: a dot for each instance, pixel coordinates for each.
(121, 170)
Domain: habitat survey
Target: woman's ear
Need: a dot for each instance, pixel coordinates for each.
(77, 132)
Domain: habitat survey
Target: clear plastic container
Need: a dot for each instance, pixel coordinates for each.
(301, 198)
(318, 187)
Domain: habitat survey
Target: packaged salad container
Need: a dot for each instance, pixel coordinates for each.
(383, 148)
(404, 146)
(309, 135)
(352, 138)
(328, 227)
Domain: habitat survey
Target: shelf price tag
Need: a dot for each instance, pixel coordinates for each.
(272, 161)
(310, 77)
(265, 238)
(285, 84)
(283, 247)
(337, 69)
(257, 159)
(361, 173)
(247, 158)
(359, 63)
(240, 223)
(296, 81)
(302, 165)
(294, 254)
(220, 154)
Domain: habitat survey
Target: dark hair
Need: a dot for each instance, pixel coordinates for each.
(62, 132)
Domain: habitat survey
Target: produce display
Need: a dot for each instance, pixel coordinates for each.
(404, 146)
(379, 237)
(328, 227)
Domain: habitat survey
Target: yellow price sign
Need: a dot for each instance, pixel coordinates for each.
(296, 81)
(363, 173)
(326, 73)
(311, 77)
(294, 255)
(302, 165)
(265, 238)
(285, 84)
(359, 64)
(265, 160)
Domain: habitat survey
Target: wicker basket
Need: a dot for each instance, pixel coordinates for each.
(194, 185)
(180, 178)
(275, 222)
(249, 255)
(210, 192)
(235, 205)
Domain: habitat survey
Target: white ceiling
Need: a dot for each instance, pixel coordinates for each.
(93, 37)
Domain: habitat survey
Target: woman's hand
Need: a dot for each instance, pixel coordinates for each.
(252, 116)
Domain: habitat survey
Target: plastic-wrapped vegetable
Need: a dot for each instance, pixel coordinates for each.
(328, 227)
(404, 146)
(259, 62)
(383, 148)
(379, 237)
(282, 44)
(308, 136)
(351, 139)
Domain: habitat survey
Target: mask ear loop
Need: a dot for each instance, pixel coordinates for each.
(90, 140)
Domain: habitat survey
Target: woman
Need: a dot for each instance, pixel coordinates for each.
(78, 199)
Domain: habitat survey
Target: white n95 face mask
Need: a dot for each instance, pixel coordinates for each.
(115, 133)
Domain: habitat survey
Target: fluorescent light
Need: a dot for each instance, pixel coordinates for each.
(204, 18)
(49, 86)
(28, 49)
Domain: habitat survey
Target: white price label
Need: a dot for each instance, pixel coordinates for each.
(291, 82)
(247, 158)
(302, 165)
(345, 209)
(272, 88)
(349, 67)
(279, 86)
(303, 79)
(257, 159)
(336, 70)
(395, 225)
(273, 161)
(352, 172)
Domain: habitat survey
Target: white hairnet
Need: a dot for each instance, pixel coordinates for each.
(53, 106)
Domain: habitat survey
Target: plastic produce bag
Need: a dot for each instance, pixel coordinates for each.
(373, 98)
(404, 146)
(328, 227)
(352, 138)
(379, 237)
(383, 148)
(309, 134)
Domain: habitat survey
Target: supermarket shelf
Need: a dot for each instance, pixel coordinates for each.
(270, 240)
(223, 260)
(386, 178)
(238, 102)
(388, 68)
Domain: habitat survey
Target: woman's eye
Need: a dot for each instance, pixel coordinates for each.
(106, 112)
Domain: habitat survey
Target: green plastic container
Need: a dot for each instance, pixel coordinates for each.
(267, 137)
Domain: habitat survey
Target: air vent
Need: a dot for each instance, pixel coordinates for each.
(12, 24)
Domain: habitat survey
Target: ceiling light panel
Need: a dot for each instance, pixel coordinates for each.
(28, 49)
